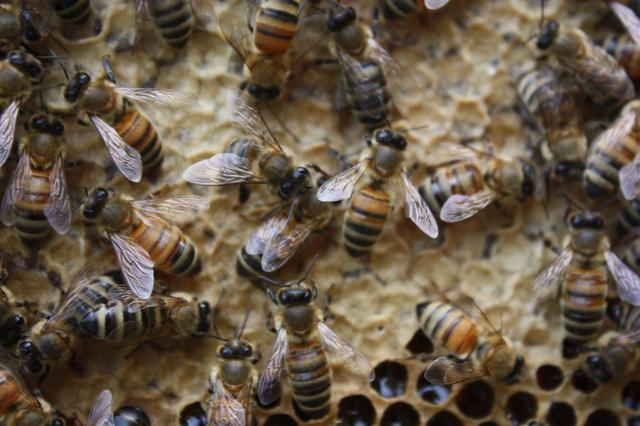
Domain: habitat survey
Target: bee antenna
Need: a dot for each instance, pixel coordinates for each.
(308, 271)
(272, 281)
(423, 126)
(106, 64)
(244, 324)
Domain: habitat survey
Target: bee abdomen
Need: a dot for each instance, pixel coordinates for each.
(630, 318)
(95, 293)
(584, 302)
(604, 163)
(459, 178)
(398, 9)
(243, 147)
(31, 224)
(185, 261)
(365, 220)
(625, 51)
(9, 395)
(367, 94)
(310, 378)
(276, 26)
(138, 132)
(72, 11)
(629, 217)
(118, 322)
(248, 265)
(174, 21)
(449, 327)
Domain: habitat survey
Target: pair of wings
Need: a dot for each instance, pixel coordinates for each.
(126, 158)
(447, 371)
(269, 382)
(628, 283)
(101, 413)
(340, 187)
(628, 18)
(57, 210)
(224, 409)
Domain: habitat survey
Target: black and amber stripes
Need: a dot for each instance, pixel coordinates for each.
(398, 9)
(454, 178)
(31, 225)
(448, 327)
(17, 407)
(249, 266)
(367, 94)
(138, 132)
(72, 11)
(630, 254)
(173, 19)
(95, 293)
(625, 51)
(629, 217)
(309, 377)
(365, 219)
(244, 147)
(276, 25)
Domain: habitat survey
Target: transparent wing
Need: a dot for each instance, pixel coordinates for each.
(435, 4)
(450, 152)
(628, 283)
(221, 169)
(309, 33)
(8, 130)
(11, 368)
(285, 243)
(342, 350)
(445, 371)
(175, 209)
(628, 18)
(235, 28)
(19, 178)
(58, 208)
(269, 382)
(258, 241)
(392, 69)
(247, 116)
(153, 95)
(225, 410)
(625, 339)
(460, 207)
(136, 265)
(101, 412)
(417, 209)
(630, 179)
(618, 130)
(553, 274)
(125, 157)
(341, 186)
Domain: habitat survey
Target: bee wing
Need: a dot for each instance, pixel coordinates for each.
(269, 382)
(450, 152)
(341, 349)
(417, 209)
(553, 273)
(136, 265)
(235, 28)
(249, 117)
(630, 179)
(225, 410)
(392, 69)
(19, 178)
(628, 283)
(309, 33)
(460, 207)
(624, 339)
(221, 169)
(101, 413)
(125, 157)
(58, 208)
(341, 186)
(285, 243)
(8, 129)
(435, 4)
(445, 371)
(175, 209)
(628, 18)
(67, 308)
(618, 130)
(153, 95)
(258, 241)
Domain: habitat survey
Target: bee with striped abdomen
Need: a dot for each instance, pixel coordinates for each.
(75, 12)
(370, 205)
(37, 198)
(131, 139)
(174, 20)
(581, 271)
(555, 112)
(625, 51)
(144, 235)
(102, 413)
(301, 347)
(629, 217)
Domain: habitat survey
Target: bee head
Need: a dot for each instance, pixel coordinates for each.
(598, 367)
(340, 18)
(528, 186)
(388, 137)
(565, 170)
(295, 183)
(95, 203)
(131, 415)
(27, 64)
(46, 123)
(30, 357)
(548, 34)
(586, 220)
(236, 349)
(293, 294)
(76, 86)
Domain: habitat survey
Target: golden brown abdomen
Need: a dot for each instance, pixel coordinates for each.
(626, 52)
(31, 225)
(276, 26)
(138, 132)
(457, 178)
(449, 327)
(310, 378)
(584, 301)
(365, 219)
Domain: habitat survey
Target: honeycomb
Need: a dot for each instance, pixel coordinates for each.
(459, 65)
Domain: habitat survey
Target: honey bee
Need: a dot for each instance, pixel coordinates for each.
(301, 346)
(37, 195)
(144, 235)
(19, 27)
(471, 179)
(581, 272)
(173, 19)
(460, 334)
(12, 325)
(19, 71)
(394, 10)
(257, 159)
(131, 139)
(598, 74)
(74, 12)
(370, 205)
(102, 413)
(555, 113)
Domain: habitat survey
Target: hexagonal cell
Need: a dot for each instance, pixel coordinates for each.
(582, 382)
(193, 415)
(419, 343)
(130, 414)
(602, 417)
(444, 418)
(400, 414)
(522, 406)
(391, 379)
(356, 410)
(561, 414)
(280, 420)
(433, 394)
(631, 395)
(475, 399)
(571, 349)
(549, 377)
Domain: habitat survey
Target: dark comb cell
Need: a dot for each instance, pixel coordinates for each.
(602, 417)
(391, 379)
(476, 399)
(193, 415)
(582, 382)
(561, 414)
(280, 420)
(489, 423)
(433, 394)
(400, 414)
(549, 377)
(420, 343)
(522, 406)
(356, 410)
(444, 418)
(631, 395)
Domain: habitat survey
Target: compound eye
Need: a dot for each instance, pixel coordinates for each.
(255, 90)
(40, 123)
(226, 352)
(384, 136)
(18, 320)
(577, 221)
(84, 78)
(598, 222)
(26, 347)
(245, 350)
(102, 194)
(273, 92)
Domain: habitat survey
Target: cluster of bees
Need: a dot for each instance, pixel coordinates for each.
(128, 306)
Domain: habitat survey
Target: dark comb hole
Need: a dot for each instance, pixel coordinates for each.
(400, 414)
(549, 377)
(582, 382)
(571, 349)
(356, 410)
(419, 343)
(489, 423)
(522, 406)
(602, 417)
(444, 418)
(631, 395)
(193, 415)
(280, 420)
(391, 379)
(633, 421)
(561, 414)
(476, 399)
(433, 394)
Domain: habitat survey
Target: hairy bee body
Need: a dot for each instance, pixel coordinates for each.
(629, 217)
(625, 51)
(173, 20)
(368, 211)
(276, 25)
(367, 93)
(249, 265)
(138, 132)
(15, 80)
(16, 406)
(394, 10)
(456, 178)
(31, 225)
(449, 327)
(72, 11)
